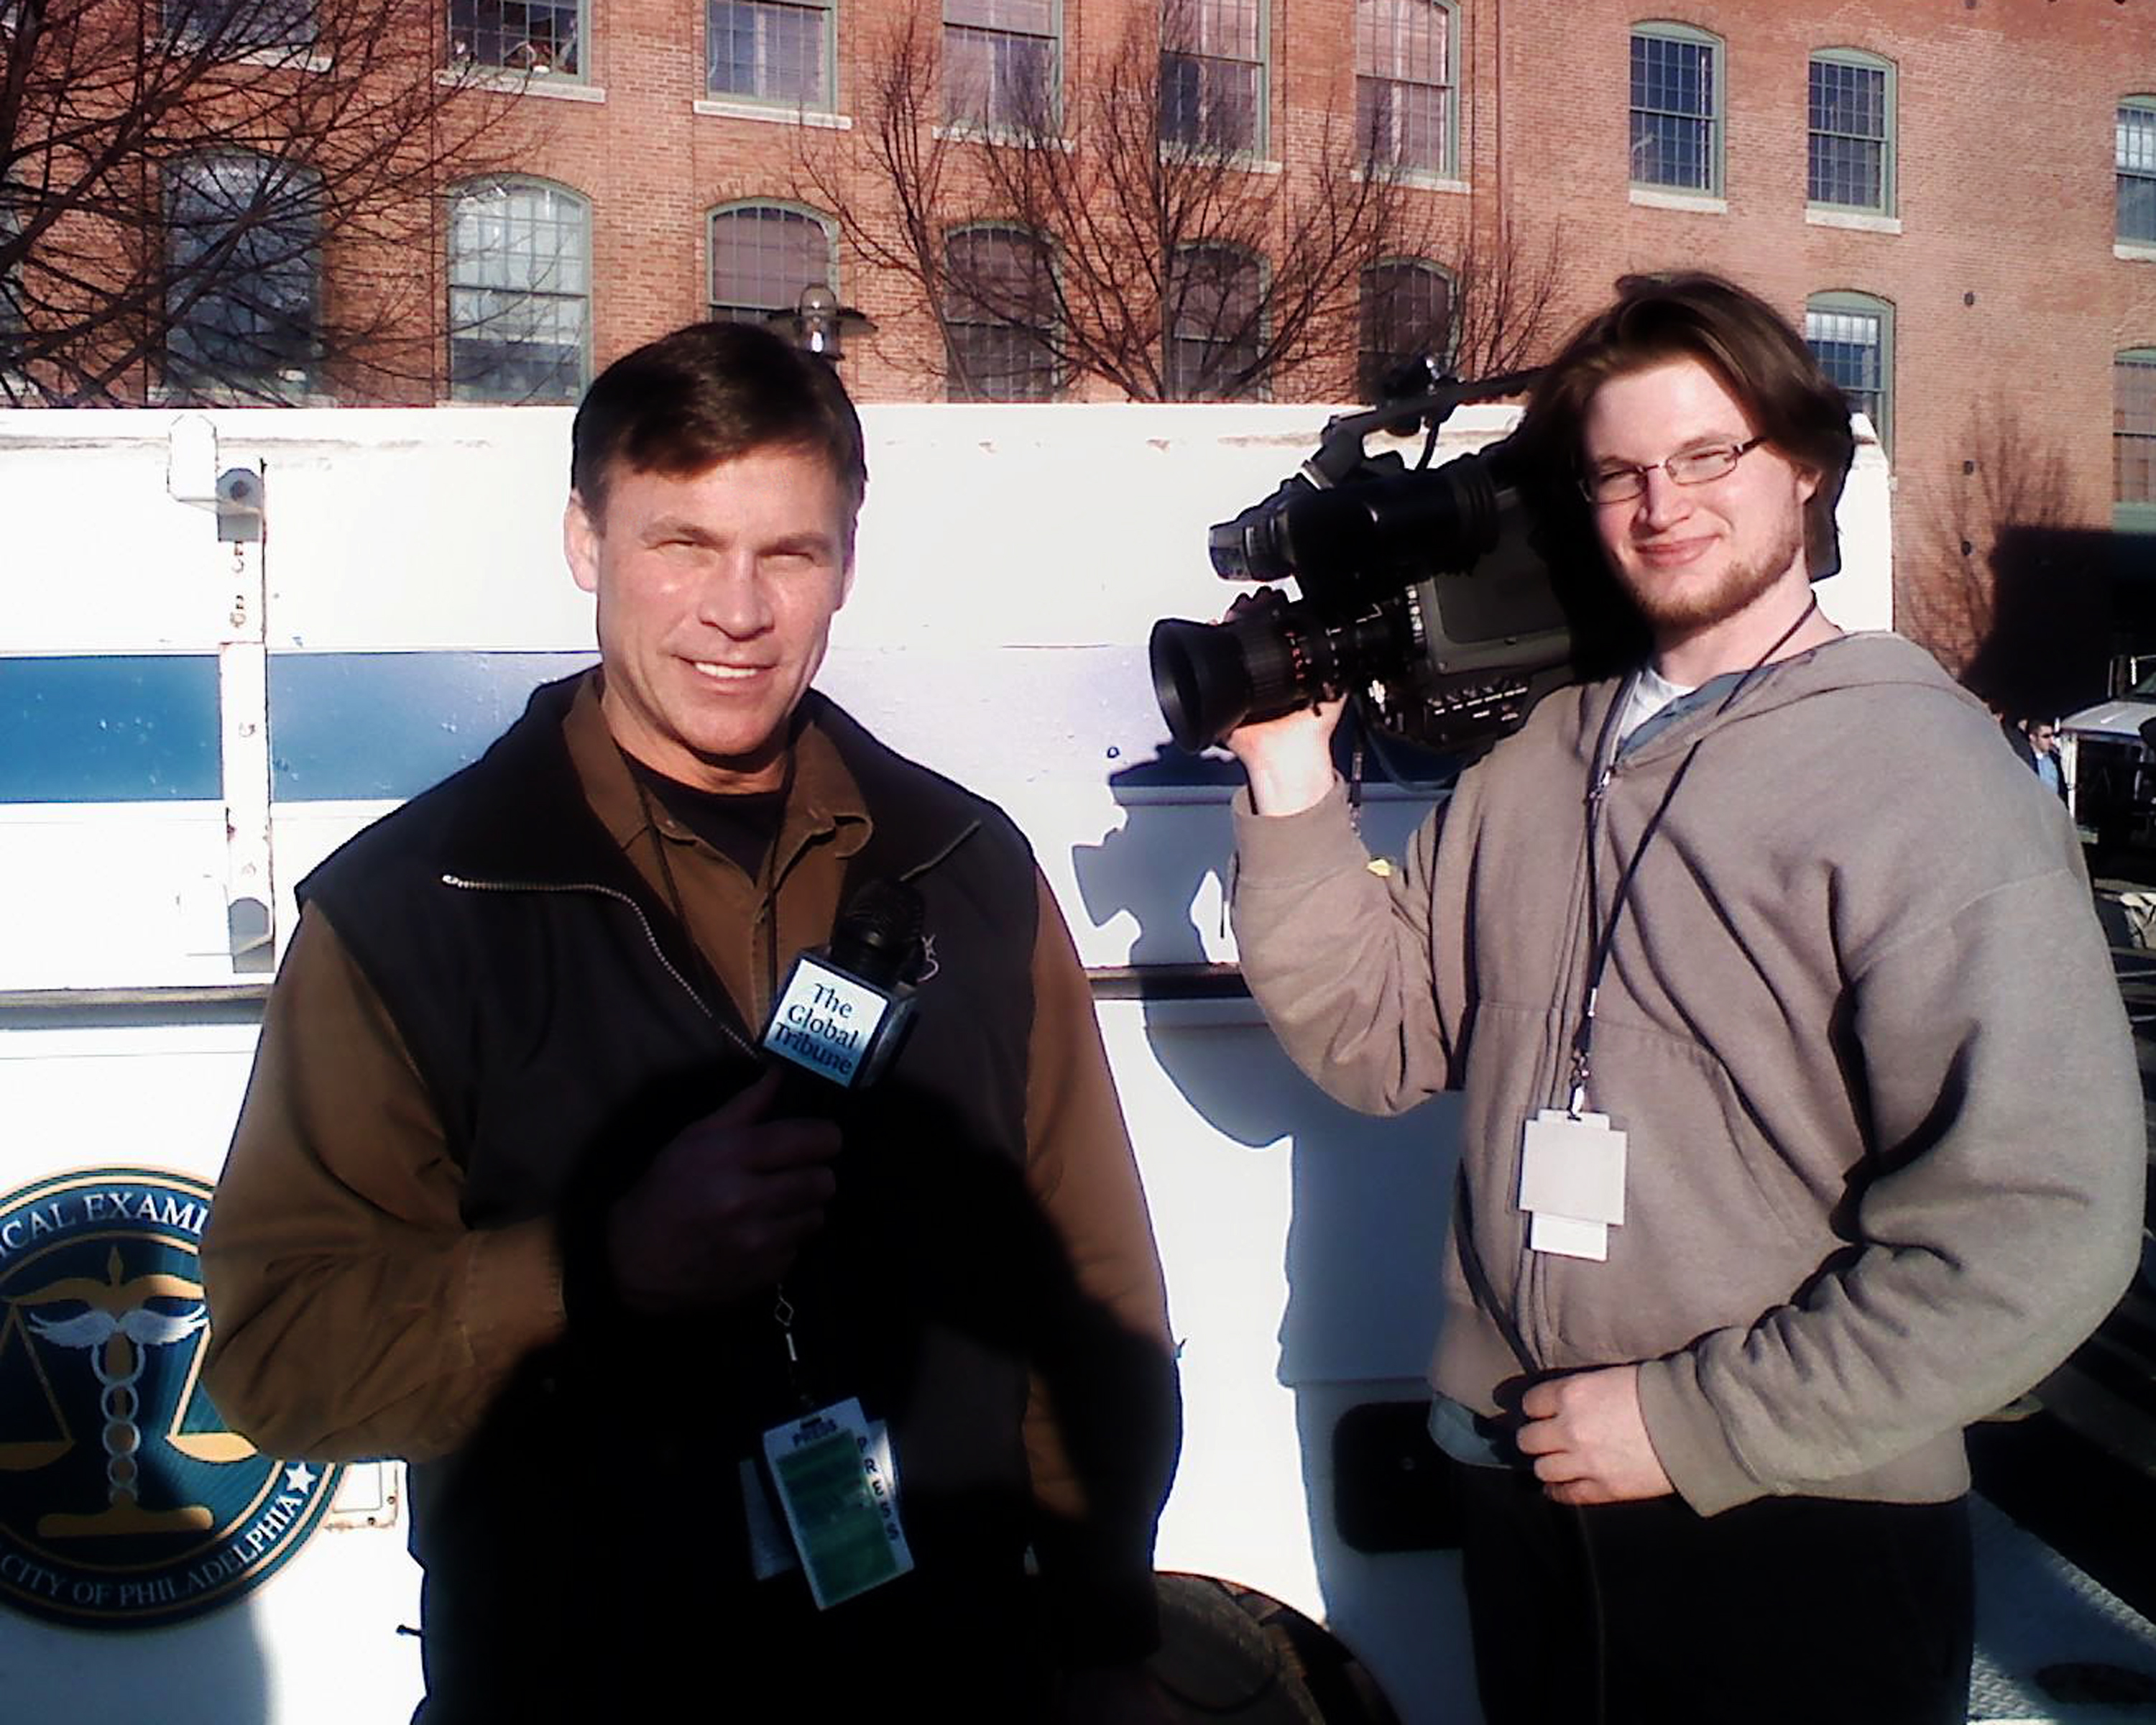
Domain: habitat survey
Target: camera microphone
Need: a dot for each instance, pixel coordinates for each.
(845, 1006)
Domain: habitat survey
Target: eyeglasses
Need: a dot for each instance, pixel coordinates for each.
(1692, 467)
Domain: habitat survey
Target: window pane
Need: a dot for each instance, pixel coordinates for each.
(241, 23)
(537, 36)
(761, 257)
(1210, 64)
(1850, 348)
(1847, 157)
(2137, 174)
(995, 78)
(1407, 313)
(2133, 427)
(1673, 108)
(1401, 62)
(1214, 334)
(1031, 18)
(1208, 102)
(999, 299)
(240, 292)
(519, 287)
(1401, 38)
(772, 52)
(1227, 29)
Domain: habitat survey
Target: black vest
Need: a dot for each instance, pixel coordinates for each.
(592, 1530)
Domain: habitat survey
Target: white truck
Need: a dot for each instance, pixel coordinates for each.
(228, 639)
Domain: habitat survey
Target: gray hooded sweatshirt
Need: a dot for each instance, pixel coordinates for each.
(1886, 1142)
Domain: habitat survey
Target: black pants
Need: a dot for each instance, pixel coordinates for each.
(1787, 1609)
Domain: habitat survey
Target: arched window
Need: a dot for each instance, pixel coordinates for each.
(520, 292)
(1676, 108)
(1851, 336)
(242, 255)
(2137, 169)
(762, 255)
(1849, 103)
(1403, 83)
(999, 316)
(1215, 326)
(1407, 314)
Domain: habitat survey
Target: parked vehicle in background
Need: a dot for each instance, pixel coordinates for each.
(2108, 754)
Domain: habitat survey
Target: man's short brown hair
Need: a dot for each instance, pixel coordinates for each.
(1748, 345)
(708, 394)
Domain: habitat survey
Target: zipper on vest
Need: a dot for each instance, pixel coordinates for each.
(650, 934)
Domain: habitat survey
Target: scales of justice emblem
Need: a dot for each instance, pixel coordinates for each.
(123, 1497)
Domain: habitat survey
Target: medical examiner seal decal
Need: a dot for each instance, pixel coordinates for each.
(125, 1500)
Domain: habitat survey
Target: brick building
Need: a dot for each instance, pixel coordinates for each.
(1958, 199)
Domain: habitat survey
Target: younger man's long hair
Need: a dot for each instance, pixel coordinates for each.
(1748, 345)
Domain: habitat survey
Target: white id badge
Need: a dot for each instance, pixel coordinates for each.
(839, 1488)
(1571, 1183)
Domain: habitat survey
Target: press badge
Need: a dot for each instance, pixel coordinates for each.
(838, 1489)
(1571, 1183)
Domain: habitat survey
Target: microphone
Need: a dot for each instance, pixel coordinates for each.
(844, 1008)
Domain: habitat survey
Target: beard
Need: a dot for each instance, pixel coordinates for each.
(1687, 608)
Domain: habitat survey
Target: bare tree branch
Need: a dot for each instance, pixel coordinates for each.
(1176, 264)
(225, 197)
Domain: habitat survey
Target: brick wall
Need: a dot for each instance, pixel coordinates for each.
(1997, 259)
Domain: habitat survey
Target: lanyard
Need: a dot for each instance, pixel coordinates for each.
(1604, 939)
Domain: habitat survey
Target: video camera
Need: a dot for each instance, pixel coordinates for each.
(1426, 591)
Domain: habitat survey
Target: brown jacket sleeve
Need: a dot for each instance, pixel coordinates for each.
(1104, 1422)
(352, 1313)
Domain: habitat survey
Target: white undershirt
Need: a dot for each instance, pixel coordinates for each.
(1651, 691)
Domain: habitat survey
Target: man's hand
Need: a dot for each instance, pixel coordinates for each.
(1590, 1440)
(722, 1211)
(1289, 759)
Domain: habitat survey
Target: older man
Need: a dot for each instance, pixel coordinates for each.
(758, 1390)
(1802, 1124)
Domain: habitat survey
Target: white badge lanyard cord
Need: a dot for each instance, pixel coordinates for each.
(1602, 940)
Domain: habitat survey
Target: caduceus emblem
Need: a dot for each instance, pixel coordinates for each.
(117, 1329)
